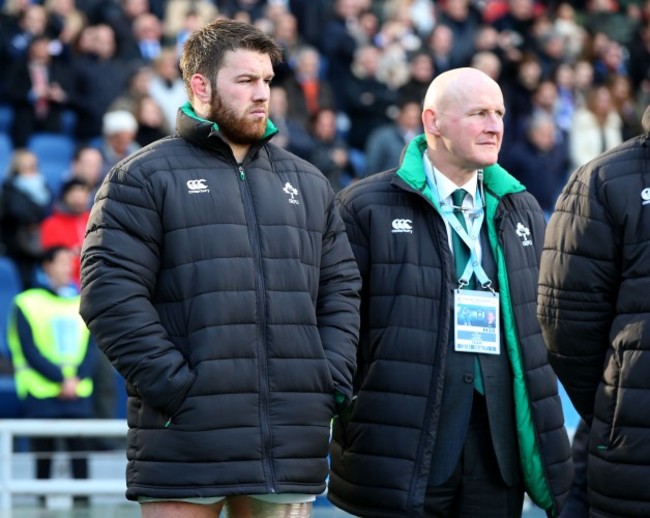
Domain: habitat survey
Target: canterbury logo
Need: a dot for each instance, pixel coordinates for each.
(197, 186)
(524, 233)
(402, 225)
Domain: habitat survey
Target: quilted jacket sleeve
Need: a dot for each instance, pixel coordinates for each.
(119, 266)
(579, 279)
(338, 303)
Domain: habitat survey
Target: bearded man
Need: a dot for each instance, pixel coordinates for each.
(218, 279)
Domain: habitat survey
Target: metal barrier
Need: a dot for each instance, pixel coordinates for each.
(11, 428)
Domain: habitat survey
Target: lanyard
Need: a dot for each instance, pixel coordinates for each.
(470, 236)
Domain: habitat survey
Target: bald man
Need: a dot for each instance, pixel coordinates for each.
(451, 417)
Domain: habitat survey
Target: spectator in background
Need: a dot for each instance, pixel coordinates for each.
(596, 127)
(119, 131)
(545, 101)
(639, 62)
(607, 17)
(310, 15)
(65, 20)
(121, 17)
(292, 135)
(152, 125)
(540, 160)
(463, 19)
(440, 44)
(565, 82)
(574, 34)
(306, 88)
(176, 13)
(31, 21)
(53, 357)
(517, 23)
(626, 105)
(191, 23)
(397, 29)
(421, 72)
(518, 93)
(329, 152)
(39, 91)
(10, 12)
(285, 33)
(100, 79)
(386, 144)
(609, 62)
(138, 87)
(26, 201)
(584, 81)
(148, 38)
(166, 85)
(367, 98)
(66, 226)
(253, 9)
(487, 62)
(339, 44)
(550, 51)
(86, 165)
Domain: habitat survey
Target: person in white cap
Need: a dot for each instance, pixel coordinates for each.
(119, 129)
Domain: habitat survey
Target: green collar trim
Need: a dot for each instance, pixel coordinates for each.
(411, 170)
(188, 110)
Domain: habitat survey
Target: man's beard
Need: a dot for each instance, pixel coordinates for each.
(236, 129)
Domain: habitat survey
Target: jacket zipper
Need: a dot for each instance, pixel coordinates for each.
(251, 223)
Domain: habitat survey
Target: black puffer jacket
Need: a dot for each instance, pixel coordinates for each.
(594, 307)
(228, 298)
(382, 446)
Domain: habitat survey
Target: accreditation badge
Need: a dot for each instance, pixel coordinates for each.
(477, 323)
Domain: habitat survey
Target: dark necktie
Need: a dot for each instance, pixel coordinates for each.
(461, 258)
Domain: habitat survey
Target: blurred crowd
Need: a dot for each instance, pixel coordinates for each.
(104, 74)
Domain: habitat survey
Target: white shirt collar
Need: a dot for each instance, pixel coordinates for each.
(446, 186)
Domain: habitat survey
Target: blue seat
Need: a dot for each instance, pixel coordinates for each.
(6, 151)
(6, 118)
(54, 152)
(10, 286)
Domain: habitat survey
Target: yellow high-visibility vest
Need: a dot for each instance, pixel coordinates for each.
(60, 335)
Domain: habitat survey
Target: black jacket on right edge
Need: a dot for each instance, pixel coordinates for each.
(594, 308)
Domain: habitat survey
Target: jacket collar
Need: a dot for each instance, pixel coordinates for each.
(498, 182)
(205, 133)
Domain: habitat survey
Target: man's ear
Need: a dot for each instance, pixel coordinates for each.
(430, 122)
(201, 88)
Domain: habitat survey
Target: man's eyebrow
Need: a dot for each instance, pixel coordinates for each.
(254, 75)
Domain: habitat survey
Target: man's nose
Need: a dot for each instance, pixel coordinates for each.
(262, 91)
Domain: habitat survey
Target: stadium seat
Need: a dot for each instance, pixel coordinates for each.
(9, 287)
(6, 118)
(6, 150)
(54, 152)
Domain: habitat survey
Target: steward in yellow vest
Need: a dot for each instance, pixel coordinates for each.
(49, 343)
(53, 360)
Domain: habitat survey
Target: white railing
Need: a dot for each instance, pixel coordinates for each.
(11, 428)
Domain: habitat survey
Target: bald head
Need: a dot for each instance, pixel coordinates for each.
(463, 122)
(457, 86)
